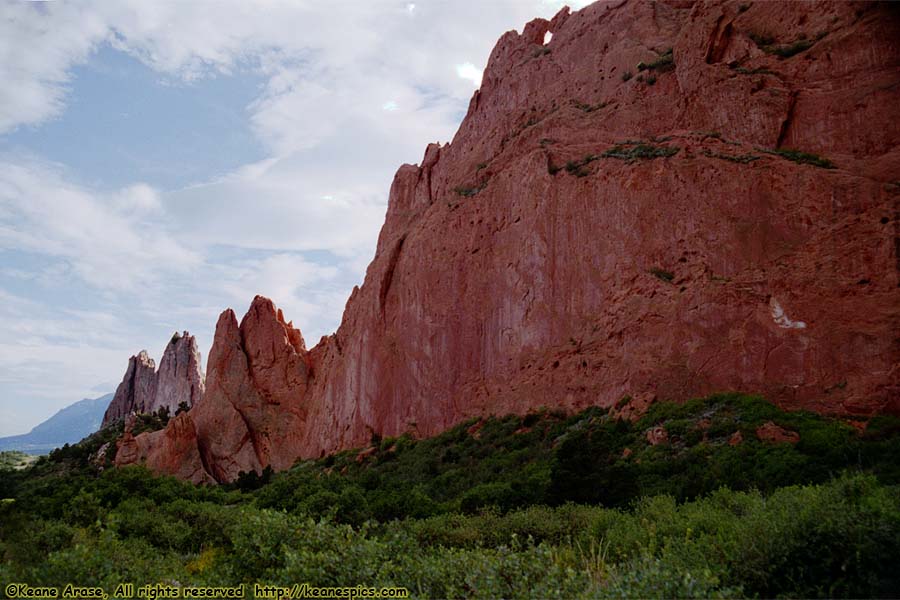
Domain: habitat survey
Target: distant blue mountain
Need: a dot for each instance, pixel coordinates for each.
(69, 425)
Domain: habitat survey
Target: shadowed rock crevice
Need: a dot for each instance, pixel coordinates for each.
(388, 278)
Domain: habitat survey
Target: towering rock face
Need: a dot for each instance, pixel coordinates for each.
(137, 390)
(617, 216)
(144, 390)
(180, 376)
(252, 413)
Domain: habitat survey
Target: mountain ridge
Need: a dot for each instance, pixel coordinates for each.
(623, 216)
(67, 426)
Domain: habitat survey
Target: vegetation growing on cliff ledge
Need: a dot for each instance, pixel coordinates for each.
(632, 151)
(803, 158)
(664, 62)
(545, 505)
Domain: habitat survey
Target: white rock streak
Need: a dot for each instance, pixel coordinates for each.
(781, 318)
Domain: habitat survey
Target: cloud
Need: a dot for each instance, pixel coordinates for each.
(470, 72)
(318, 48)
(93, 273)
(137, 199)
(39, 46)
(106, 239)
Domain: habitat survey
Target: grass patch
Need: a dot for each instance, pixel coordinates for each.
(15, 459)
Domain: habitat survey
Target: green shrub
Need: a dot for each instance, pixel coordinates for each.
(665, 62)
(630, 152)
(803, 158)
(768, 44)
(104, 561)
(467, 192)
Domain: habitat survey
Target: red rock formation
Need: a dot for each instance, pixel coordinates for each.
(252, 413)
(180, 376)
(545, 258)
(144, 390)
(137, 390)
(770, 432)
(657, 435)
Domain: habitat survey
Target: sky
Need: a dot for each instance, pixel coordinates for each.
(161, 161)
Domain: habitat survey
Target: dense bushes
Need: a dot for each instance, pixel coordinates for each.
(837, 539)
(538, 506)
(548, 458)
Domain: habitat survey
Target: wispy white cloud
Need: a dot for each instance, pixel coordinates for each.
(36, 57)
(103, 238)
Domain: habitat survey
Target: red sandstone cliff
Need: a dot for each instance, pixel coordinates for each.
(146, 390)
(589, 235)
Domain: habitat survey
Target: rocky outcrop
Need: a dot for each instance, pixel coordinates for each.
(772, 433)
(252, 414)
(180, 376)
(146, 390)
(657, 435)
(666, 200)
(136, 392)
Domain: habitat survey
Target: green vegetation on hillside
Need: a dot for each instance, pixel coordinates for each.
(544, 505)
(15, 459)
